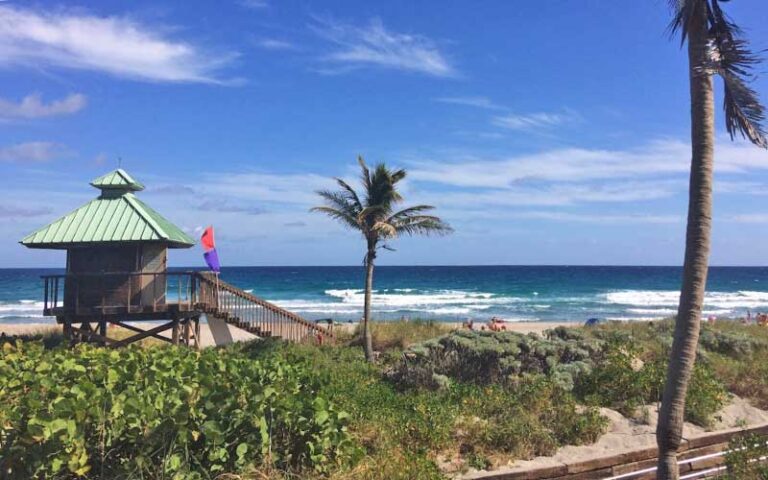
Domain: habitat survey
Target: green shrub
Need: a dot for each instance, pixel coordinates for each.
(743, 451)
(161, 412)
(534, 418)
(404, 430)
(622, 382)
(735, 344)
(486, 358)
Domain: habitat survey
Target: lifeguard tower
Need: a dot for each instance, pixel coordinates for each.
(117, 274)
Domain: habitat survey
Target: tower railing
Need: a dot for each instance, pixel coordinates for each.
(140, 294)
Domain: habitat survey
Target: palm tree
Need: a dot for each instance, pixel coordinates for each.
(373, 214)
(715, 47)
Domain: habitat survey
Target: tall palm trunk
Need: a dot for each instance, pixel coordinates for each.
(368, 345)
(683, 355)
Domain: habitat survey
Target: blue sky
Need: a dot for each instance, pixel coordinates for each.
(545, 132)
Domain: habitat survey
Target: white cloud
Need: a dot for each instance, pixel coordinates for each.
(555, 194)
(598, 218)
(32, 106)
(115, 45)
(275, 44)
(254, 4)
(655, 159)
(11, 211)
(748, 218)
(277, 189)
(31, 152)
(533, 121)
(477, 102)
(374, 45)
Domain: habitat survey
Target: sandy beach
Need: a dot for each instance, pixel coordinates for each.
(208, 339)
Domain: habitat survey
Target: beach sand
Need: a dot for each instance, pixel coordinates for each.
(221, 336)
(235, 334)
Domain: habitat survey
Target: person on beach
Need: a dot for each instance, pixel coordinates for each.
(496, 325)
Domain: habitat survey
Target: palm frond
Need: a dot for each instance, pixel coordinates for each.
(339, 201)
(339, 215)
(408, 212)
(743, 112)
(733, 60)
(398, 175)
(339, 207)
(372, 214)
(682, 10)
(384, 229)
(365, 173)
(422, 225)
(350, 193)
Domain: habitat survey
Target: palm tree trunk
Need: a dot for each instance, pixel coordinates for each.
(368, 345)
(686, 337)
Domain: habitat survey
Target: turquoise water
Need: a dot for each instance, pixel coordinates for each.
(456, 293)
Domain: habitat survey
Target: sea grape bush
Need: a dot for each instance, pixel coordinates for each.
(497, 357)
(606, 371)
(722, 338)
(733, 344)
(624, 383)
(161, 413)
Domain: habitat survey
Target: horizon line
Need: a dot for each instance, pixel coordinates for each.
(429, 265)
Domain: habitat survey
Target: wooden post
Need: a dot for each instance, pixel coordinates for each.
(198, 344)
(175, 331)
(187, 330)
(67, 329)
(103, 328)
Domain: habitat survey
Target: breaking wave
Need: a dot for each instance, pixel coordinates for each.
(23, 310)
(664, 302)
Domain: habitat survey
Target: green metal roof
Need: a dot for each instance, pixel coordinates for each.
(116, 216)
(117, 180)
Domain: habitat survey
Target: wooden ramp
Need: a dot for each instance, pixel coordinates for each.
(244, 310)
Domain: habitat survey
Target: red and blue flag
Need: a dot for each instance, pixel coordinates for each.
(209, 250)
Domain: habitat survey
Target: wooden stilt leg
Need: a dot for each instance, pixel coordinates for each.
(103, 329)
(175, 332)
(68, 337)
(187, 330)
(86, 327)
(198, 345)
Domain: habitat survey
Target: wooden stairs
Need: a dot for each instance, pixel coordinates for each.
(257, 316)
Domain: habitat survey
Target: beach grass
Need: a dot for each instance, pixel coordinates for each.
(399, 334)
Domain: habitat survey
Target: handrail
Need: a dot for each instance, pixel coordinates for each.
(213, 281)
(157, 293)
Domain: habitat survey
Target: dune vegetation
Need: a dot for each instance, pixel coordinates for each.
(435, 401)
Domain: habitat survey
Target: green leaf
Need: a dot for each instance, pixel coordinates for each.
(241, 450)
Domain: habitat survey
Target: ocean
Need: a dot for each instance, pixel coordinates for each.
(515, 293)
